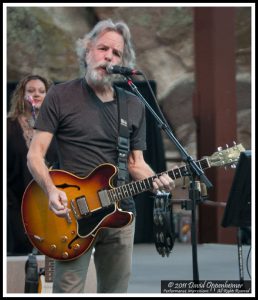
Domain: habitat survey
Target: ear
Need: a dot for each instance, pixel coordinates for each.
(87, 52)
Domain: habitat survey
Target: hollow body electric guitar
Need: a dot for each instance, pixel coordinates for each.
(93, 204)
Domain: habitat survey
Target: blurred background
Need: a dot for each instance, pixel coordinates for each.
(199, 62)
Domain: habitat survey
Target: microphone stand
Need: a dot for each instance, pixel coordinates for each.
(194, 173)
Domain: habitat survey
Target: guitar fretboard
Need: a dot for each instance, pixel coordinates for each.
(49, 269)
(137, 187)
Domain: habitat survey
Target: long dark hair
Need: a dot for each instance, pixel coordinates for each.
(18, 103)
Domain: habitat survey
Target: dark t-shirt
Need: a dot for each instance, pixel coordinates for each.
(86, 128)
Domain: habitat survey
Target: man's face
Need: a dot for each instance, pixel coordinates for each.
(106, 50)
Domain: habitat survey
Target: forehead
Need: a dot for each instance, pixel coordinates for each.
(35, 83)
(112, 39)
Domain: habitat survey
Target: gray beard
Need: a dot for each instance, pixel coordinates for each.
(101, 81)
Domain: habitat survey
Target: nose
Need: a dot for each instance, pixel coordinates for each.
(109, 55)
(36, 94)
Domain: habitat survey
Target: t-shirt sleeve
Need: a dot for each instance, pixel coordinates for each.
(138, 119)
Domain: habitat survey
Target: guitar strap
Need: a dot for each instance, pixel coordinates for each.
(123, 143)
(31, 273)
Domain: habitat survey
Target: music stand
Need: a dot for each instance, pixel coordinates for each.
(238, 208)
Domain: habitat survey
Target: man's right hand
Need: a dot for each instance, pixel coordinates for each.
(58, 203)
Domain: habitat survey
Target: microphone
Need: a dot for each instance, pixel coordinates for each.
(31, 100)
(122, 70)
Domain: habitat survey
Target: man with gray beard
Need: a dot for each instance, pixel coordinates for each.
(83, 115)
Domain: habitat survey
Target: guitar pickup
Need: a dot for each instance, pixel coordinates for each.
(104, 199)
(82, 205)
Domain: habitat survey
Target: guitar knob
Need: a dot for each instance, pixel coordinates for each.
(38, 238)
(65, 255)
(64, 238)
(53, 247)
(76, 247)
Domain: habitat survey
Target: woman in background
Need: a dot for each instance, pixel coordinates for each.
(26, 101)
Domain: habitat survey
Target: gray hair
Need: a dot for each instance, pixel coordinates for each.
(82, 45)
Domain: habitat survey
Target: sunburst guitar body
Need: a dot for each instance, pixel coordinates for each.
(68, 238)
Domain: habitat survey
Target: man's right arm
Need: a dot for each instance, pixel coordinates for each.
(36, 164)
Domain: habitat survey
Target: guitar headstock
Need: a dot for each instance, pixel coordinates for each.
(228, 156)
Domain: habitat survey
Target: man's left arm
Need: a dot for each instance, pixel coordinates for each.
(139, 170)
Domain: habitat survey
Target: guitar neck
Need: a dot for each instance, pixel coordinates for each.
(49, 269)
(140, 186)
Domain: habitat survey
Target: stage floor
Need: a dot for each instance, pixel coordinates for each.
(215, 262)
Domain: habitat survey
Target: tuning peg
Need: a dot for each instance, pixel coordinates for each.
(227, 146)
(234, 143)
(219, 148)
(233, 166)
